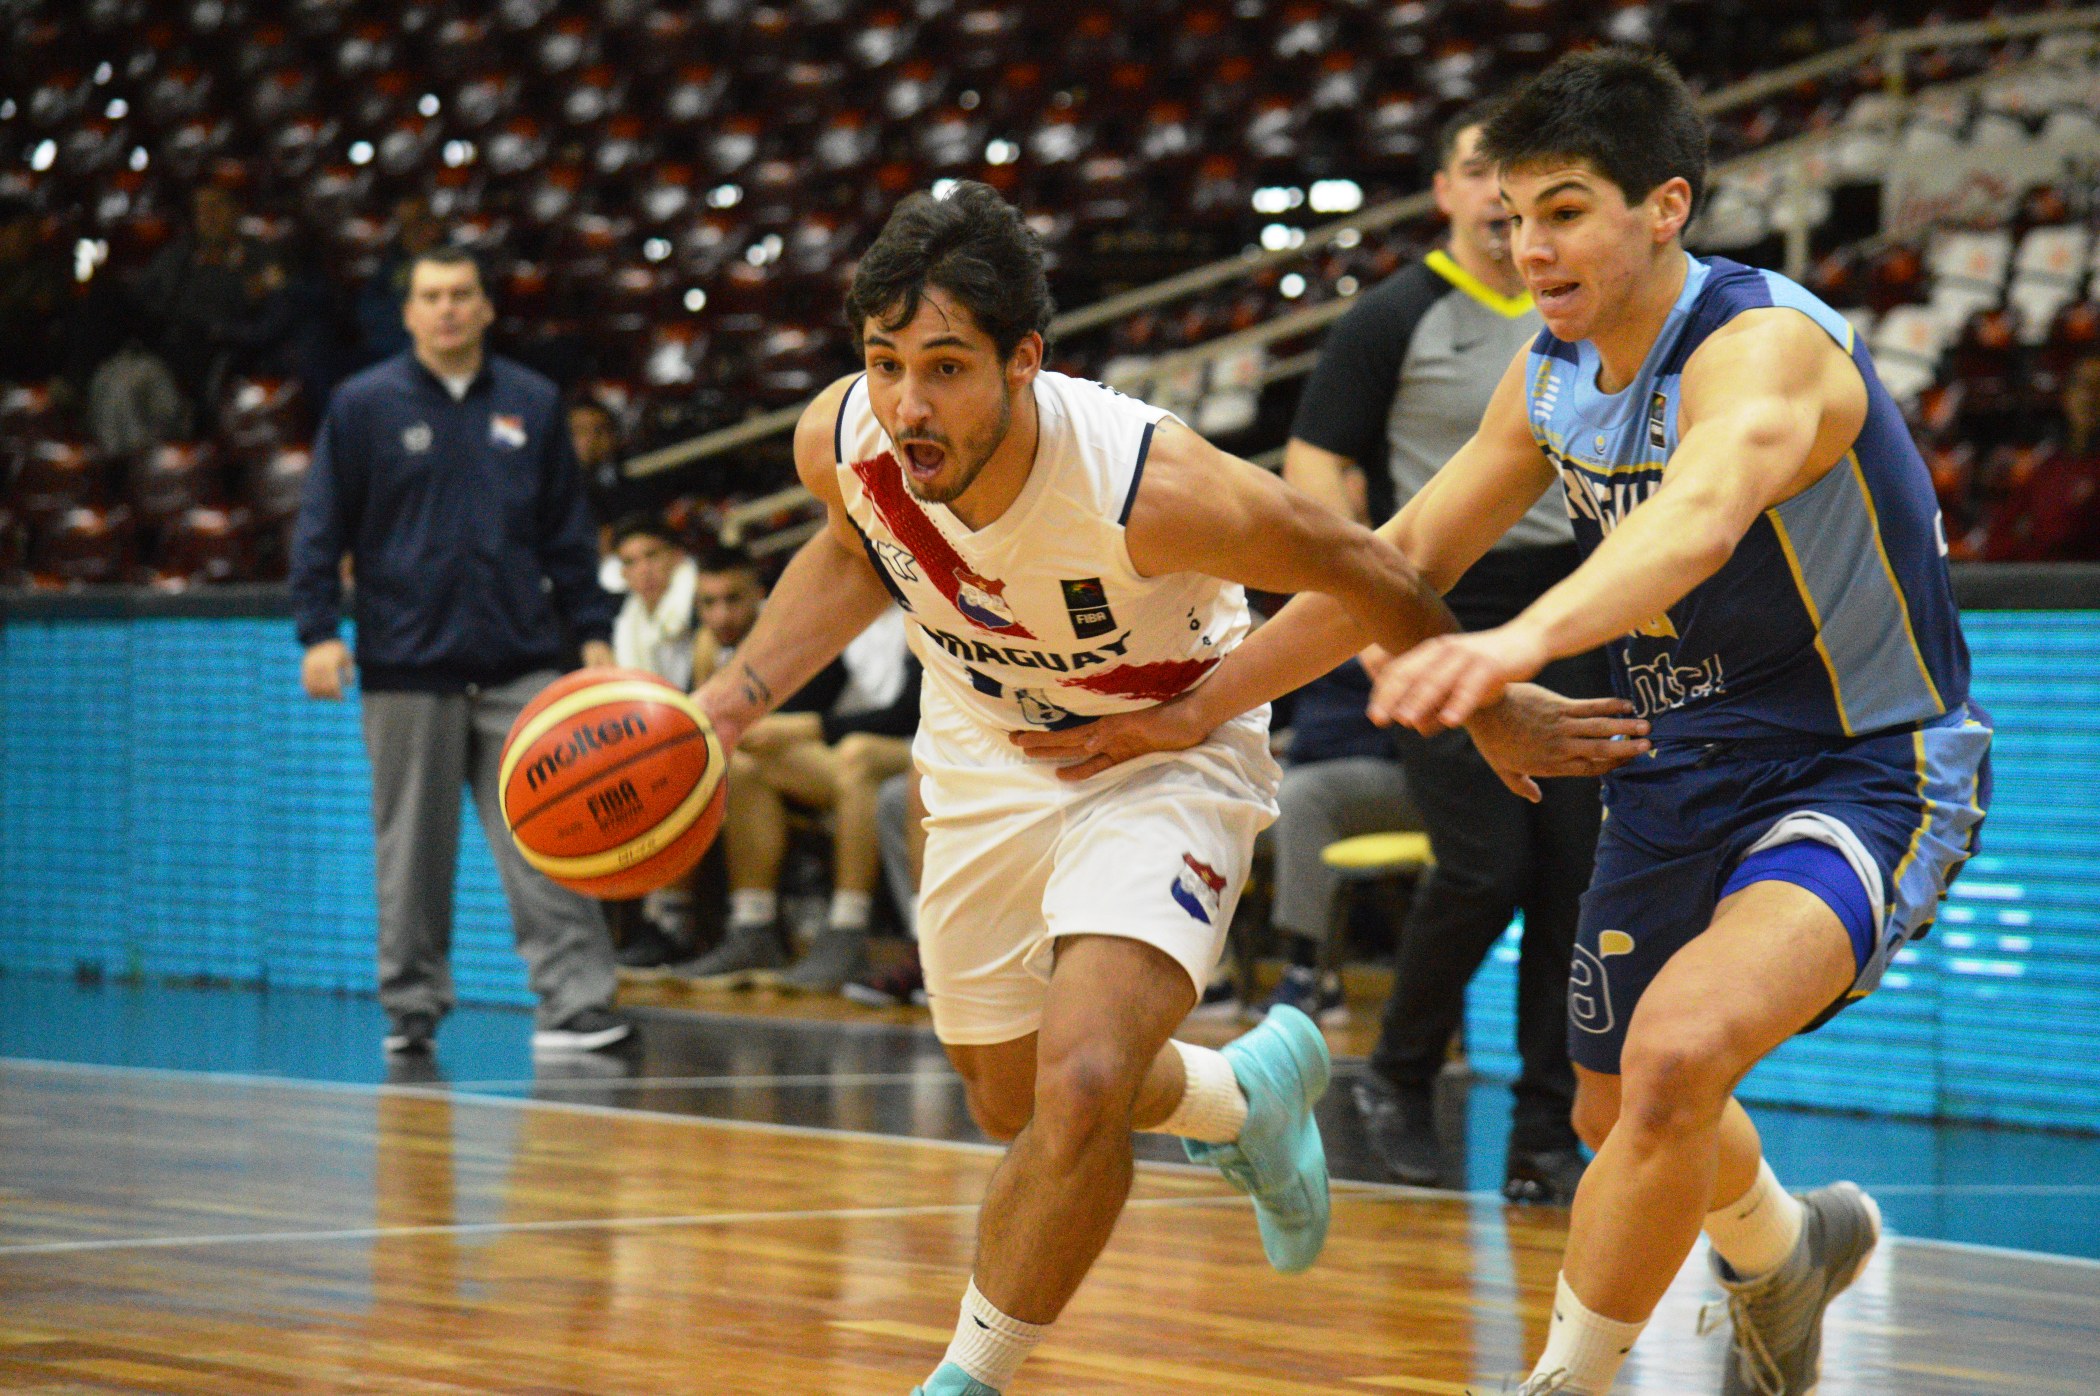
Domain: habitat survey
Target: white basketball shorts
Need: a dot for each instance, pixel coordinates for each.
(1156, 850)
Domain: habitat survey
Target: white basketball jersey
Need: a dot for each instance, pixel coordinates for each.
(1038, 619)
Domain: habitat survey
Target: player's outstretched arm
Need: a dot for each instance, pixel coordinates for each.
(1538, 733)
(1767, 406)
(828, 594)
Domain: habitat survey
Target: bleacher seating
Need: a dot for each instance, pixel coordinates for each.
(670, 198)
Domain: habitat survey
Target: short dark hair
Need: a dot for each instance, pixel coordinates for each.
(974, 246)
(1624, 110)
(726, 557)
(443, 255)
(1459, 122)
(642, 525)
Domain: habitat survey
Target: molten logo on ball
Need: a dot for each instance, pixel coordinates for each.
(582, 741)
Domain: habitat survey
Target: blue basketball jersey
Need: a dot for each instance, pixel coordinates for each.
(1835, 615)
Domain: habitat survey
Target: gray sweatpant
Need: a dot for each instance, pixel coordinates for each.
(424, 748)
(1320, 802)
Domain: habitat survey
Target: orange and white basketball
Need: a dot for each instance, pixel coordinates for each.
(612, 782)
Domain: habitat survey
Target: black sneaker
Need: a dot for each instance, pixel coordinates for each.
(1318, 996)
(412, 1032)
(586, 1031)
(1402, 1129)
(1548, 1177)
(894, 987)
(648, 953)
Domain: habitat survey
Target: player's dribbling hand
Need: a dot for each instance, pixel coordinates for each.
(326, 668)
(1443, 681)
(1534, 731)
(1110, 741)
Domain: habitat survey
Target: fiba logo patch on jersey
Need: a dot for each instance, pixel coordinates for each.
(982, 601)
(1086, 600)
(1198, 888)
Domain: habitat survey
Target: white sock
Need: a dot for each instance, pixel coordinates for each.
(1758, 1231)
(753, 906)
(850, 910)
(1587, 1347)
(989, 1345)
(1213, 1110)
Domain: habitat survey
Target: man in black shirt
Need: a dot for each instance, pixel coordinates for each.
(1401, 383)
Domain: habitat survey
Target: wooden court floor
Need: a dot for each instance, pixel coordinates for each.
(175, 1232)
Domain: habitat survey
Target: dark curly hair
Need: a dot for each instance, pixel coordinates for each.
(1624, 110)
(974, 246)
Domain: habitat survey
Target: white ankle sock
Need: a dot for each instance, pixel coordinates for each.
(1758, 1231)
(850, 910)
(753, 906)
(1213, 1110)
(1586, 1346)
(989, 1345)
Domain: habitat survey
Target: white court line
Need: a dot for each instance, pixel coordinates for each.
(1357, 1190)
(391, 1233)
(812, 1078)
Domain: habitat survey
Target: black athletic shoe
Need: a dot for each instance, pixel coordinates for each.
(586, 1031)
(1402, 1129)
(648, 953)
(1548, 1177)
(900, 984)
(412, 1032)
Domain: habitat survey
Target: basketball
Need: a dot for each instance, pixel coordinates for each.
(612, 782)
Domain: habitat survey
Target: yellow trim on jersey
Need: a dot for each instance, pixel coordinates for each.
(1815, 617)
(1508, 307)
(1902, 602)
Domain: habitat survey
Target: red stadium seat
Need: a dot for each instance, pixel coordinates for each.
(13, 548)
(696, 95)
(173, 477)
(82, 546)
(880, 40)
(56, 475)
(203, 547)
(275, 480)
(848, 141)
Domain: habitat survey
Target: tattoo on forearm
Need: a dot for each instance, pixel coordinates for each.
(756, 689)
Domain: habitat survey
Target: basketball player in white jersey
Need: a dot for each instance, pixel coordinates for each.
(1067, 552)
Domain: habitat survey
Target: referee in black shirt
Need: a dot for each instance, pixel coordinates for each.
(1401, 384)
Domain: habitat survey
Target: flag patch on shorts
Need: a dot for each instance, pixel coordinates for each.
(1198, 886)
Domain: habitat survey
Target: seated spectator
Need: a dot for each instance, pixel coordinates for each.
(134, 402)
(34, 295)
(2053, 514)
(823, 750)
(1340, 779)
(658, 623)
(654, 633)
(195, 291)
(900, 818)
(416, 231)
(595, 435)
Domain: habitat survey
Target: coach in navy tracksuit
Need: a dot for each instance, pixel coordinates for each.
(449, 479)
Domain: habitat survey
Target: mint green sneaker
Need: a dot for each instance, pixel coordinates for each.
(951, 1380)
(1278, 1160)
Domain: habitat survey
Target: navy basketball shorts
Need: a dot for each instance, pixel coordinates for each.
(1876, 827)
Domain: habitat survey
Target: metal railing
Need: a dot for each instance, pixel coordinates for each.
(1376, 218)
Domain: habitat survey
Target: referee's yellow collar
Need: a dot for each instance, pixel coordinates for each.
(1508, 307)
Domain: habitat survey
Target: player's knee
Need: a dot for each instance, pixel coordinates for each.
(1674, 1077)
(1084, 1094)
(855, 755)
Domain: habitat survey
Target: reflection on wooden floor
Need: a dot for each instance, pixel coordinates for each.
(170, 1233)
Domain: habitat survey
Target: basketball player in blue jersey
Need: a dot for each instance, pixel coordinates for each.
(1065, 552)
(1764, 557)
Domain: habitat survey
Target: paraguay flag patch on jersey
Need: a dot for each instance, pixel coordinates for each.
(1198, 888)
(506, 430)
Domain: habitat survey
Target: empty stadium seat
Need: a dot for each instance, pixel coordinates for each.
(202, 547)
(1907, 345)
(173, 477)
(86, 545)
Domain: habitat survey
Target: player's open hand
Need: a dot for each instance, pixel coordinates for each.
(1534, 731)
(1442, 682)
(1110, 741)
